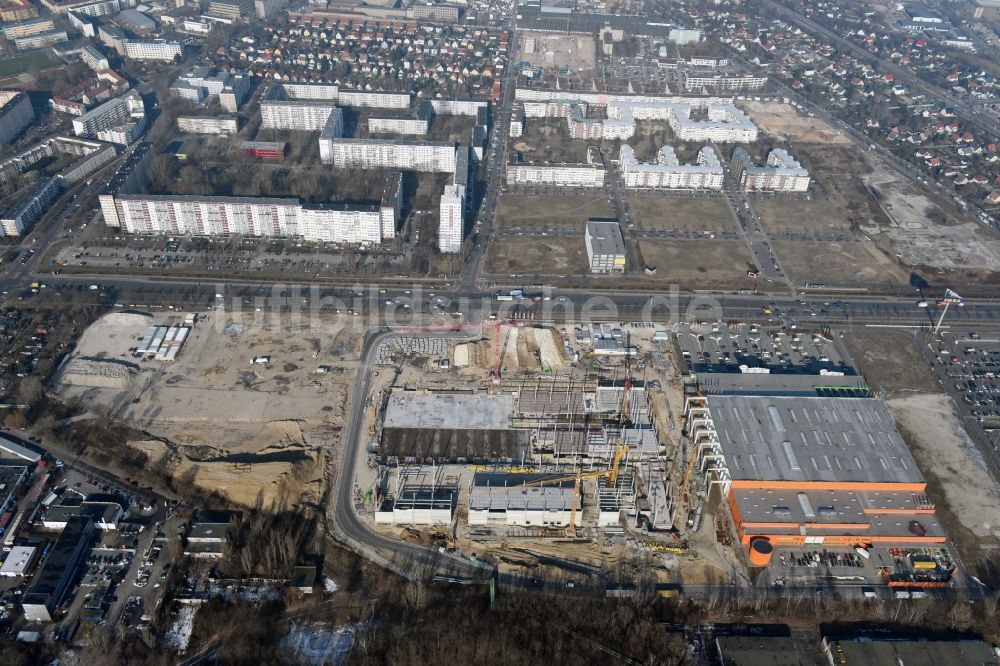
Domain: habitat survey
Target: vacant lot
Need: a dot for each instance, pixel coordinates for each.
(845, 203)
(549, 51)
(891, 362)
(529, 211)
(539, 256)
(215, 420)
(783, 120)
(779, 215)
(676, 213)
(26, 63)
(698, 264)
(837, 263)
(963, 492)
(545, 140)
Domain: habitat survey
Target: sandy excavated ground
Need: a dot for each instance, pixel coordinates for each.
(783, 120)
(219, 422)
(944, 451)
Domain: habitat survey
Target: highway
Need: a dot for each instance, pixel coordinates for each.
(563, 305)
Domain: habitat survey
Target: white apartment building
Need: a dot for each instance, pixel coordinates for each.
(299, 115)
(782, 173)
(153, 50)
(94, 58)
(237, 89)
(517, 120)
(268, 9)
(314, 91)
(207, 124)
(40, 40)
(16, 113)
(694, 82)
(605, 246)
(668, 173)
(26, 28)
(450, 222)
(87, 7)
(725, 124)
(24, 212)
(415, 126)
(120, 120)
(564, 175)
(554, 108)
(458, 107)
(210, 216)
(333, 129)
(376, 100)
(386, 154)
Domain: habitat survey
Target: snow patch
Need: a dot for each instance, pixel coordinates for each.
(179, 633)
(329, 585)
(318, 643)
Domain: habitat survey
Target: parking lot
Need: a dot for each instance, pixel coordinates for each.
(721, 348)
(972, 363)
(205, 255)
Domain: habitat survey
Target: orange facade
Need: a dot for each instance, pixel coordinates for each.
(816, 534)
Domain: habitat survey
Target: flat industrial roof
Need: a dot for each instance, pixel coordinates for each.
(606, 237)
(18, 560)
(913, 652)
(820, 508)
(492, 491)
(758, 651)
(62, 557)
(215, 531)
(806, 439)
(457, 411)
(780, 384)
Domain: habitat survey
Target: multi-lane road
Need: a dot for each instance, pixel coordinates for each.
(558, 304)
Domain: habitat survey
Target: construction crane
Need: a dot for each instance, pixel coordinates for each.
(578, 478)
(624, 417)
(692, 458)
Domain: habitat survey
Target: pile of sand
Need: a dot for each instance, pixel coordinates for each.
(549, 348)
(98, 372)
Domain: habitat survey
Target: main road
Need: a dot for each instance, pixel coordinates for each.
(385, 304)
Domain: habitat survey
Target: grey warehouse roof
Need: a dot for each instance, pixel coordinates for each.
(460, 411)
(805, 439)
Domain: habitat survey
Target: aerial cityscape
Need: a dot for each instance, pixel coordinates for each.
(500, 332)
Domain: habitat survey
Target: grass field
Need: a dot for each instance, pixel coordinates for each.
(542, 211)
(674, 213)
(837, 262)
(891, 363)
(22, 64)
(545, 140)
(699, 264)
(845, 202)
(539, 256)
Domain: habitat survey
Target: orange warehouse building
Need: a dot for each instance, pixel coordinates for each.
(812, 471)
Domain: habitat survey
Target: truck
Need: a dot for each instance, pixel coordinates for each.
(504, 297)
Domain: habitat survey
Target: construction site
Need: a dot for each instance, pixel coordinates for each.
(615, 451)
